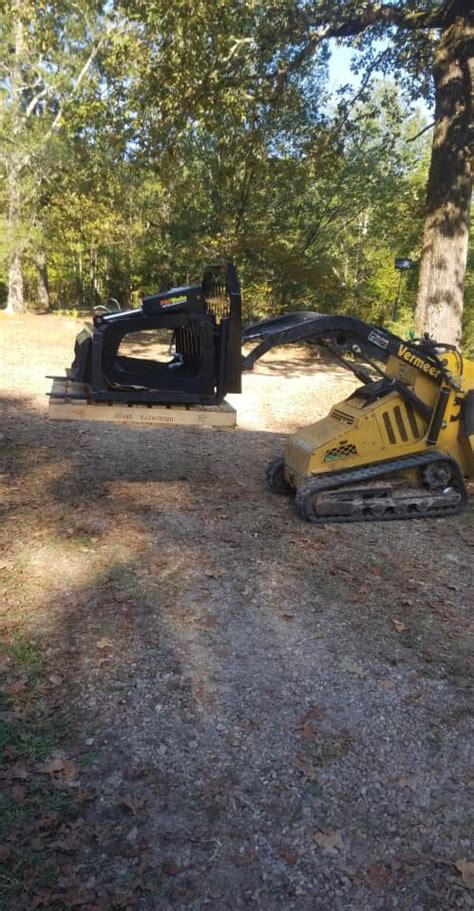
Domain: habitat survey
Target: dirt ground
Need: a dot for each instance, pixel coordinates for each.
(209, 703)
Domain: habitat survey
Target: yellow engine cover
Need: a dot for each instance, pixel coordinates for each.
(362, 431)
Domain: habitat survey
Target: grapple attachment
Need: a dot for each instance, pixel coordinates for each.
(204, 322)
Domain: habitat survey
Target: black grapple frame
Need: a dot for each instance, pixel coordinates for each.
(205, 321)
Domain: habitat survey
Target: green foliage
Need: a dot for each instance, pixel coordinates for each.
(176, 149)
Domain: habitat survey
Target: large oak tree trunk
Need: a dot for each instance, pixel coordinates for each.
(445, 242)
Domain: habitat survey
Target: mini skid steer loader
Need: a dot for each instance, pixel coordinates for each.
(400, 447)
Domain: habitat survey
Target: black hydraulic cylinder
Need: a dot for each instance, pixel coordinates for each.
(438, 416)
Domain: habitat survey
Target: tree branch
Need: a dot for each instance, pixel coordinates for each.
(34, 101)
(80, 79)
(356, 25)
(424, 130)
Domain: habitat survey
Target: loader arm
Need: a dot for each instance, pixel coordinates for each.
(342, 334)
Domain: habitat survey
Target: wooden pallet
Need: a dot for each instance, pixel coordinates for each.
(219, 417)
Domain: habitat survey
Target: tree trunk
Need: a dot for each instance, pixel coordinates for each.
(446, 235)
(43, 281)
(16, 302)
(93, 276)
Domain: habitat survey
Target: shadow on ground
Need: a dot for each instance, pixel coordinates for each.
(259, 713)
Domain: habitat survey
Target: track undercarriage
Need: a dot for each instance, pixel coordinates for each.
(378, 493)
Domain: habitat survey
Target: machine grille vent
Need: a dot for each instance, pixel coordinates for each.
(401, 426)
(343, 451)
(389, 427)
(343, 416)
(401, 423)
(412, 420)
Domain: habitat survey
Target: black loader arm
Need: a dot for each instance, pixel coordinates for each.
(342, 333)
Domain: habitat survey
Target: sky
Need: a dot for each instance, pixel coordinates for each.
(339, 67)
(340, 73)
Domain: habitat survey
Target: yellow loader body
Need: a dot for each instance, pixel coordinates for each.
(359, 432)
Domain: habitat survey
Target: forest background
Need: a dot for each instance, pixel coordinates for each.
(140, 141)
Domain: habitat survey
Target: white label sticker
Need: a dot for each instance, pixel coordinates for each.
(378, 339)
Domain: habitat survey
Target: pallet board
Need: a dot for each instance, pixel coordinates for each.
(220, 417)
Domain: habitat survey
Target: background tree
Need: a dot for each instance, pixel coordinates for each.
(47, 53)
(207, 129)
(434, 38)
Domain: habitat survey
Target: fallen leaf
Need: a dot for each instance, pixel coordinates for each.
(378, 877)
(387, 684)
(53, 766)
(18, 793)
(78, 899)
(134, 804)
(170, 868)
(18, 771)
(399, 625)
(290, 857)
(209, 621)
(309, 731)
(244, 860)
(103, 643)
(5, 854)
(412, 697)
(18, 686)
(66, 769)
(408, 781)
(312, 714)
(36, 844)
(329, 840)
(55, 679)
(466, 869)
(41, 900)
(70, 769)
(132, 836)
(306, 768)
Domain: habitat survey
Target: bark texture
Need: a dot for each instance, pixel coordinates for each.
(15, 303)
(43, 282)
(446, 235)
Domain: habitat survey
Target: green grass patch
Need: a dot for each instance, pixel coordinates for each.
(15, 815)
(25, 653)
(11, 885)
(29, 740)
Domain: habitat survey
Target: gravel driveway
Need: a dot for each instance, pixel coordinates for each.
(256, 713)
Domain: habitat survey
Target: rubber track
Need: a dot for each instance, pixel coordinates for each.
(340, 479)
